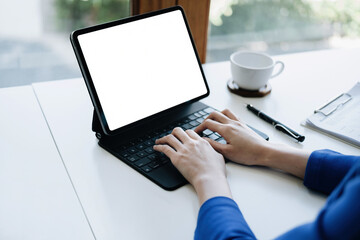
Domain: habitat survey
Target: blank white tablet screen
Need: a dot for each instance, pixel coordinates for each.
(142, 67)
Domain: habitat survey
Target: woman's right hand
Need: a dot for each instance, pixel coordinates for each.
(243, 144)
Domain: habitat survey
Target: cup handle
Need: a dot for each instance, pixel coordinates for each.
(280, 70)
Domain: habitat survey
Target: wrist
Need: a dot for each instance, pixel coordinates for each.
(266, 153)
(285, 158)
(208, 187)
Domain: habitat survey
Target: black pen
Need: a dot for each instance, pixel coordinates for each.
(277, 125)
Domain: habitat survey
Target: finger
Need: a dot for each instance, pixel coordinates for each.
(211, 125)
(219, 147)
(219, 117)
(180, 134)
(171, 140)
(192, 134)
(229, 114)
(232, 116)
(167, 150)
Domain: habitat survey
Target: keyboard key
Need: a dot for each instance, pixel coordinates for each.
(146, 168)
(192, 117)
(153, 157)
(194, 123)
(132, 150)
(141, 146)
(207, 132)
(213, 136)
(186, 126)
(142, 154)
(208, 110)
(149, 142)
(142, 162)
(149, 150)
(124, 154)
(186, 120)
(222, 141)
(132, 158)
(154, 164)
(198, 115)
(202, 113)
(200, 120)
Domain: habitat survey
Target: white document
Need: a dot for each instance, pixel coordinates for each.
(340, 117)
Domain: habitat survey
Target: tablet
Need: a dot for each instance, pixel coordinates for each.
(138, 68)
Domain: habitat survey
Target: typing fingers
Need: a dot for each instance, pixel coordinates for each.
(166, 149)
(193, 134)
(170, 140)
(180, 134)
(219, 117)
(211, 125)
(229, 114)
(219, 147)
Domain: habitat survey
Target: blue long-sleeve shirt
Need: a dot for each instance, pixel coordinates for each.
(326, 171)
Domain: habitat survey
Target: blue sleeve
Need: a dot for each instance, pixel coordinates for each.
(340, 217)
(220, 218)
(325, 170)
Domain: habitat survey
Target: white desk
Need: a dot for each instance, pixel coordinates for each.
(122, 204)
(37, 200)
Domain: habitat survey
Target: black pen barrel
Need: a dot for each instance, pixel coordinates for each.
(279, 126)
(268, 119)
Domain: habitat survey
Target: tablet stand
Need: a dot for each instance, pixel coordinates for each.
(96, 127)
(104, 139)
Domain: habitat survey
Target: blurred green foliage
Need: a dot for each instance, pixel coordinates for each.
(74, 14)
(344, 15)
(262, 15)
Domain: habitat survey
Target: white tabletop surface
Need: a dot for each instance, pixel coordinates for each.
(37, 200)
(122, 204)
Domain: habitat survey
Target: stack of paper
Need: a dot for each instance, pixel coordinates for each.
(340, 117)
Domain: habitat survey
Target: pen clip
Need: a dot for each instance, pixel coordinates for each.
(277, 126)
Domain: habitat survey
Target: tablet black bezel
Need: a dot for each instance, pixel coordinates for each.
(90, 85)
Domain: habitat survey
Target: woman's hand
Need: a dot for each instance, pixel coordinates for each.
(243, 144)
(198, 162)
(246, 147)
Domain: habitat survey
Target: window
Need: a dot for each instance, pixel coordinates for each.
(35, 46)
(34, 38)
(281, 26)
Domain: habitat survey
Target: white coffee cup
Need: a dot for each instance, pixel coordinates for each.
(252, 70)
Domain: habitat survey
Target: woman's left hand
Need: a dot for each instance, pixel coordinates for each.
(197, 161)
